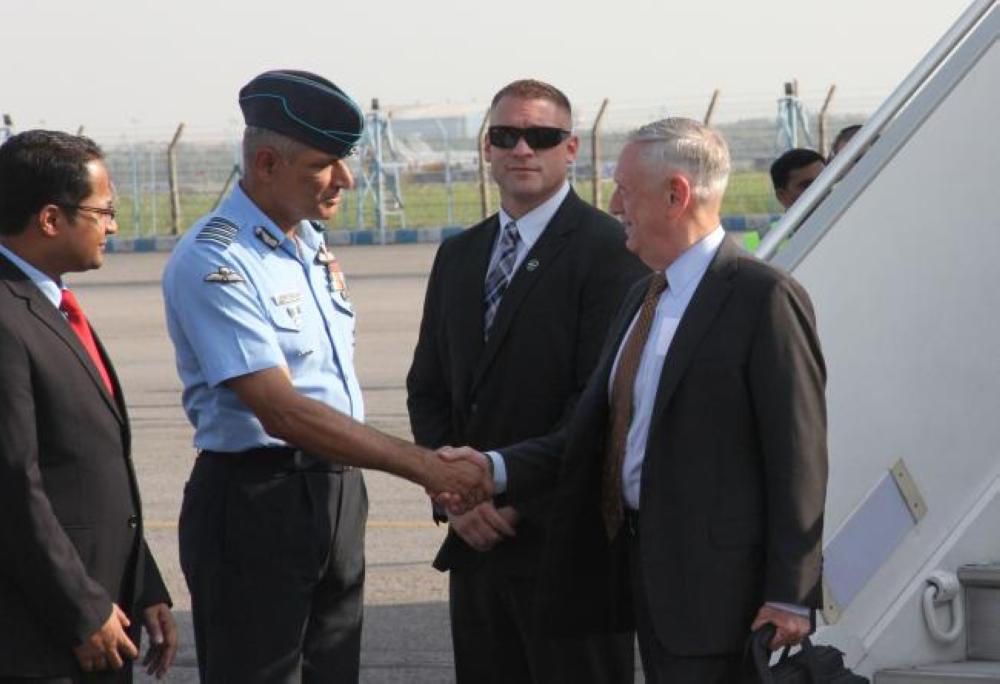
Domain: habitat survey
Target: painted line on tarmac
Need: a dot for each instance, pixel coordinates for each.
(372, 524)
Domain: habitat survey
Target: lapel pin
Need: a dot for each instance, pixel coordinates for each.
(532, 265)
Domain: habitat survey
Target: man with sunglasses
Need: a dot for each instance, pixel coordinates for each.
(77, 580)
(516, 310)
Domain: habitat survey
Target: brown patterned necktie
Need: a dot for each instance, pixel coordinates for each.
(620, 413)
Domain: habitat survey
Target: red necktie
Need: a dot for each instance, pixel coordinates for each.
(77, 321)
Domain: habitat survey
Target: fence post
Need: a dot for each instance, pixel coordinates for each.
(175, 197)
(484, 188)
(824, 132)
(595, 154)
(225, 186)
(711, 108)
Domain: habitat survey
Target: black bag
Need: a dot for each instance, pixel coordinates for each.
(811, 665)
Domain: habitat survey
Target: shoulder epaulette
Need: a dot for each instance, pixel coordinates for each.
(220, 230)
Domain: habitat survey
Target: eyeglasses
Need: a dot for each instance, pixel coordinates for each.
(537, 137)
(109, 212)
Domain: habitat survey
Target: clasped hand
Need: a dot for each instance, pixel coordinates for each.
(459, 479)
(110, 646)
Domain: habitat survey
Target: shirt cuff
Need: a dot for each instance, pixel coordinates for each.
(499, 472)
(801, 611)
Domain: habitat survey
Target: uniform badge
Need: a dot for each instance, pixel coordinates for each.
(334, 276)
(264, 236)
(287, 298)
(224, 276)
(532, 265)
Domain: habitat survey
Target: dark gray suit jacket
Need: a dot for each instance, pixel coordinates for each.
(544, 343)
(71, 530)
(734, 478)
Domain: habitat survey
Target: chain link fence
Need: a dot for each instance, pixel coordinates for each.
(430, 164)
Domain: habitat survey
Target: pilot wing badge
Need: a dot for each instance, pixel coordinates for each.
(224, 276)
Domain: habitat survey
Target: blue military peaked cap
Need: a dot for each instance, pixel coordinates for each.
(306, 108)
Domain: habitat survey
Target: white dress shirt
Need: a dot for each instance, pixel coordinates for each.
(529, 227)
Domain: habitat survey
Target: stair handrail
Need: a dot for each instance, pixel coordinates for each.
(871, 129)
(943, 588)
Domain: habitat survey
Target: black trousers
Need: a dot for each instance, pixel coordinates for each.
(273, 555)
(658, 665)
(496, 637)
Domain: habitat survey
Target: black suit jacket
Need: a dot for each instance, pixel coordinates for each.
(71, 530)
(543, 345)
(734, 477)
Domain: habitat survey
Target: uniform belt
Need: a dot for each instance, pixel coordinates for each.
(279, 458)
(630, 521)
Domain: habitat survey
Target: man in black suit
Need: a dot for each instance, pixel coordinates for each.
(694, 468)
(77, 578)
(515, 312)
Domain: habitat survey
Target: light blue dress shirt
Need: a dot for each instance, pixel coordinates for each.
(50, 288)
(683, 277)
(241, 296)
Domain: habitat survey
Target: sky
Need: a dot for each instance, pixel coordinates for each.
(145, 66)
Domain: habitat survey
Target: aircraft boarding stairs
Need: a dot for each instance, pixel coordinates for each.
(976, 593)
(898, 244)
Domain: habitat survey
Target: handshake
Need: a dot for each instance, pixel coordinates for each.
(458, 478)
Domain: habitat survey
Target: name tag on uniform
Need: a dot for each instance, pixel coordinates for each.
(287, 298)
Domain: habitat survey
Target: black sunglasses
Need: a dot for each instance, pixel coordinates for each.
(537, 137)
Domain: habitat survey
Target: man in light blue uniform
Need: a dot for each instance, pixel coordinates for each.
(272, 524)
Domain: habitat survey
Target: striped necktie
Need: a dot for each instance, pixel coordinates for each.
(500, 274)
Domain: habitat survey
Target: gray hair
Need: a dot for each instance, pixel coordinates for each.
(255, 138)
(687, 147)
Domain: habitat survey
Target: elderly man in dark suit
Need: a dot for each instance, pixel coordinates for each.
(516, 310)
(694, 468)
(77, 579)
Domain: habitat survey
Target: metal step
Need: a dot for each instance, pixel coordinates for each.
(964, 672)
(982, 610)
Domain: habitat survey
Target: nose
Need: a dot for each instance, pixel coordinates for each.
(342, 176)
(615, 205)
(111, 226)
(522, 148)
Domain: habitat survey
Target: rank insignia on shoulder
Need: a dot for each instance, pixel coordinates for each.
(264, 236)
(224, 276)
(219, 230)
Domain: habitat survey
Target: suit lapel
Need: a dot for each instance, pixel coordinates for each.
(468, 309)
(712, 292)
(552, 240)
(42, 309)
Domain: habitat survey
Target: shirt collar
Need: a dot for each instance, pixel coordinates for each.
(691, 265)
(531, 225)
(50, 288)
(240, 207)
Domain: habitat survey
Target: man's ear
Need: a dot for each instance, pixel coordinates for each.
(679, 193)
(265, 161)
(50, 220)
(572, 147)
